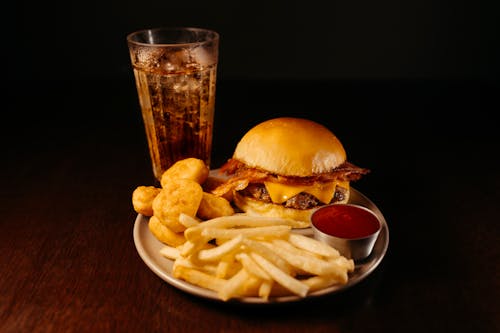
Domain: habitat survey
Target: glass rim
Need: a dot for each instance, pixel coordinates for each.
(211, 35)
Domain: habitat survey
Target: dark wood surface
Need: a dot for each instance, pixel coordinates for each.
(74, 151)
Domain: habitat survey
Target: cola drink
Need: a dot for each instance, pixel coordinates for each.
(176, 84)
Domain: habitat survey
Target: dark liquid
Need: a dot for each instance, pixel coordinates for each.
(178, 111)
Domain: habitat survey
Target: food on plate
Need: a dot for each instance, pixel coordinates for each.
(188, 221)
(286, 167)
(164, 234)
(181, 200)
(177, 196)
(253, 253)
(215, 180)
(256, 262)
(142, 199)
(212, 206)
(188, 168)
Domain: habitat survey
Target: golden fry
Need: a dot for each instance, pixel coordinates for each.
(304, 260)
(205, 268)
(188, 221)
(251, 266)
(313, 245)
(212, 206)
(198, 278)
(189, 168)
(218, 252)
(170, 252)
(142, 199)
(261, 248)
(295, 286)
(239, 257)
(240, 220)
(265, 289)
(318, 282)
(234, 285)
(227, 266)
(256, 232)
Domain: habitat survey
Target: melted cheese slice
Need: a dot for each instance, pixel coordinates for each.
(280, 193)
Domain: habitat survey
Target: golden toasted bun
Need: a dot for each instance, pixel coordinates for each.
(256, 207)
(291, 147)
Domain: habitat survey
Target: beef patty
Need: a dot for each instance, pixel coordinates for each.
(300, 201)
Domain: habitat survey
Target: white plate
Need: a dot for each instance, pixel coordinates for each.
(149, 247)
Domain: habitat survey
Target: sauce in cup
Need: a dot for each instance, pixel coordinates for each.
(349, 228)
(346, 221)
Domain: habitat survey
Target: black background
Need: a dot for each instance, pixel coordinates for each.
(420, 65)
(265, 39)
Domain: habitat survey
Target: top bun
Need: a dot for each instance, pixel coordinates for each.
(290, 147)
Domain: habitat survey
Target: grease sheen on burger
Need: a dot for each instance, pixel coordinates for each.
(286, 167)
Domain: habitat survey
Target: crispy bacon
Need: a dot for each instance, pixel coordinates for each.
(241, 176)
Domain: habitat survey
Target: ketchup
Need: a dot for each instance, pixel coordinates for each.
(345, 221)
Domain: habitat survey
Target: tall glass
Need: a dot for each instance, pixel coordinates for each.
(175, 72)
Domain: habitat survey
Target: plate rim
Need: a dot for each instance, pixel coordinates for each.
(366, 267)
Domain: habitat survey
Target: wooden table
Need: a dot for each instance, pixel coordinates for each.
(74, 151)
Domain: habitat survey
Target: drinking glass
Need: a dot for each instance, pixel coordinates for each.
(175, 73)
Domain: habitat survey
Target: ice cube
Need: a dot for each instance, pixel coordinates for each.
(148, 57)
(202, 57)
(175, 60)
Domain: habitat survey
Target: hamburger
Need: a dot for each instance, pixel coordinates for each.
(286, 167)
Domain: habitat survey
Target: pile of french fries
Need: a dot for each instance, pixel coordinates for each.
(234, 255)
(248, 256)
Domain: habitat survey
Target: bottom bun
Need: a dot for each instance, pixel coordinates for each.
(256, 207)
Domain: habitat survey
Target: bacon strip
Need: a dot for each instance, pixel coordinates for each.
(243, 175)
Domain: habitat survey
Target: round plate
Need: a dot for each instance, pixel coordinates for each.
(149, 247)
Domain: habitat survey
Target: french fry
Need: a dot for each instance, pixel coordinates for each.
(302, 260)
(287, 281)
(223, 267)
(170, 252)
(218, 252)
(251, 266)
(241, 220)
(233, 286)
(251, 286)
(324, 281)
(188, 221)
(265, 289)
(206, 268)
(260, 248)
(343, 262)
(313, 245)
(252, 258)
(256, 232)
(198, 278)
(189, 248)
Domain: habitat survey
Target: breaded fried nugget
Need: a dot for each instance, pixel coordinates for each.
(177, 196)
(189, 168)
(142, 199)
(212, 206)
(164, 234)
